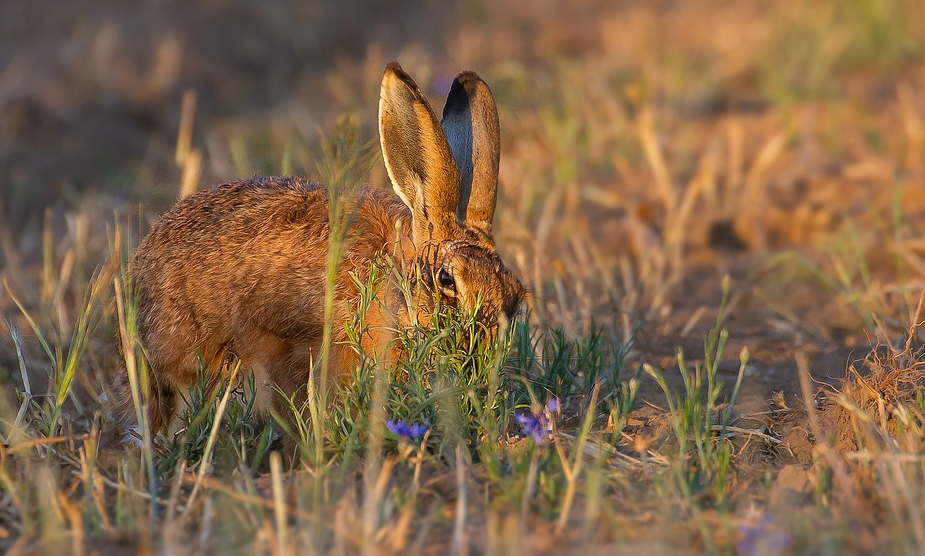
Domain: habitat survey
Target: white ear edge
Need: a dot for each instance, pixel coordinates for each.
(385, 157)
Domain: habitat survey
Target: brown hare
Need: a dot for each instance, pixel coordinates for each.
(240, 268)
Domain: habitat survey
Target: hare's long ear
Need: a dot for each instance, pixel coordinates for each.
(470, 124)
(417, 157)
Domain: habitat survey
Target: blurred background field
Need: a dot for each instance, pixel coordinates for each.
(649, 150)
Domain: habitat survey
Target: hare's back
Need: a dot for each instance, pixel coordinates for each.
(235, 213)
(234, 229)
(240, 251)
(251, 255)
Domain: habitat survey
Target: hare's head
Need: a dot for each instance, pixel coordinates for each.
(447, 174)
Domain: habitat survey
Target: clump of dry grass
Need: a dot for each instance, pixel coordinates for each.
(873, 440)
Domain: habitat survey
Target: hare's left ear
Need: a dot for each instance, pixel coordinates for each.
(417, 157)
(470, 124)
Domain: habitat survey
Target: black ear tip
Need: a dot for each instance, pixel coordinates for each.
(467, 77)
(394, 69)
(457, 98)
(468, 86)
(393, 74)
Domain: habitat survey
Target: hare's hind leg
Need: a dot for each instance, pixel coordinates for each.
(162, 405)
(161, 400)
(165, 388)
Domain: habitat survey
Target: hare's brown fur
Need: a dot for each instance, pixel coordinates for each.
(240, 269)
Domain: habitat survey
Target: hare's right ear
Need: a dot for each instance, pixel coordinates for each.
(470, 124)
(417, 156)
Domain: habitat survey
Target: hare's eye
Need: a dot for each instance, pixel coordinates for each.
(446, 280)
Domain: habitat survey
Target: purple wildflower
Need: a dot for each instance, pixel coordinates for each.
(536, 425)
(757, 538)
(407, 431)
(533, 426)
